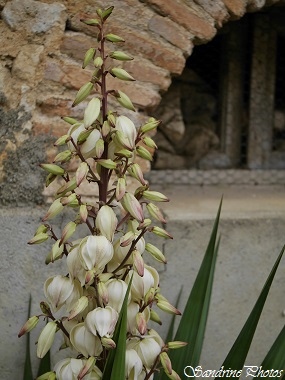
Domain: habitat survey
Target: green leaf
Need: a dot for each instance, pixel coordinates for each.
(45, 364)
(115, 364)
(193, 322)
(28, 374)
(275, 358)
(237, 355)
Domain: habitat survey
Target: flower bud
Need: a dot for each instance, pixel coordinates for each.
(108, 343)
(106, 128)
(87, 367)
(98, 62)
(125, 101)
(92, 112)
(150, 125)
(148, 141)
(39, 238)
(138, 262)
(124, 153)
(29, 325)
(99, 148)
(167, 307)
(133, 206)
(149, 297)
(121, 74)
(120, 188)
(68, 231)
(173, 376)
(114, 38)
(62, 139)
(161, 232)
(53, 169)
(106, 13)
(155, 196)
(155, 317)
(108, 163)
(141, 323)
(147, 222)
(103, 292)
(144, 153)
(63, 157)
(155, 212)
(111, 119)
(106, 222)
(55, 208)
(70, 120)
(176, 344)
(83, 92)
(79, 306)
(47, 376)
(45, 308)
(89, 55)
(91, 21)
(135, 171)
(49, 179)
(67, 201)
(56, 251)
(83, 212)
(116, 293)
(68, 186)
(155, 253)
(166, 363)
(46, 339)
(81, 172)
(127, 239)
(120, 56)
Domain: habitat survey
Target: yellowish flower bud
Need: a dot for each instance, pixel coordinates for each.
(148, 141)
(133, 206)
(91, 112)
(155, 212)
(56, 251)
(127, 239)
(161, 232)
(46, 339)
(88, 366)
(98, 62)
(167, 307)
(176, 344)
(155, 317)
(62, 139)
(166, 363)
(144, 153)
(68, 186)
(65, 201)
(81, 172)
(114, 38)
(135, 171)
(91, 21)
(99, 148)
(79, 306)
(53, 169)
(47, 376)
(83, 212)
(120, 56)
(55, 208)
(39, 238)
(141, 323)
(83, 92)
(108, 163)
(138, 262)
(121, 74)
(155, 196)
(70, 120)
(29, 325)
(120, 188)
(108, 343)
(63, 157)
(125, 101)
(124, 153)
(89, 55)
(68, 231)
(150, 125)
(106, 128)
(156, 253)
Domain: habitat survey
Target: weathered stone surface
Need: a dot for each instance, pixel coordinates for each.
(216, 9)
(26, 63)
(235, 7)
(75, 44)
(186, 17)
(34, 16)
(172, 32)
(255, 5)
(53, 127)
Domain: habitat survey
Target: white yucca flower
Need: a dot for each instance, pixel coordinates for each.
(84, 341)
(95, 252)
(102, 321)
(128, 130)
(57, 289)
(106, 222)
(116, 293)
(69, 369)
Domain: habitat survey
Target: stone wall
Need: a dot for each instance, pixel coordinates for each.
(41, 50)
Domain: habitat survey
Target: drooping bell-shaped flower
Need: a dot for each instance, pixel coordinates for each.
(141, 285)
(74, 264)
(148, 349)
(57, 289)
(95, 252)
(87, 148)
(69, 369)
(116, 291)
(128, 129)
(106, 222)
(133, 365)
(84, 341)
(102, 321)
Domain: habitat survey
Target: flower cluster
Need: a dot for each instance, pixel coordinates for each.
(107, 265)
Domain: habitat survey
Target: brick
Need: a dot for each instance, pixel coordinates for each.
(173, 33)
(216, 9)
(185, 16)
(236, 8)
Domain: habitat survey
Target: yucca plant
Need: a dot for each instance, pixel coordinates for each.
(103, 302)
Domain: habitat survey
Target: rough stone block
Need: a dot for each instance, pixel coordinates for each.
(216, 9)
(173, 33)
(27, 61)
(75, 45)
(236, 7)
(186, 17)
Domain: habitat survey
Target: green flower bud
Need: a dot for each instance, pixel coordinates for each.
(87, 367)
(53, 169)
(106, 128)
(161, 232)
(114, 38)
(155, 212)
(166, 363)
(83, 212)
(56, 251)
(63, 157)
(108, 163)
(83, 93)
(108, 343)
(155, 196)
(89, 55)
(91, 21)
(125, 101)
(144, 153)
(106, 13)
(68, 186)
(42, 228)
(135, 171)
(81, 172)
(99, 148)
(155, 253)
(149, 297)
(133, 206)
(79, 306)
(29, 325)
(98, 62)
(167, 307)
(62, 140)
(55, 208)
(49, 179)
(70, 120)
(66, 201)
(46, 339)
(155, 317)
(112, 119)
(120, 56)
(148, 141)
(121, 74)
(67, 232)
(47, 376)
(176, 344)
(120, 188)
(39, 238)
(124, 153)
(150, 125)
(45, 308)
(91, 112)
